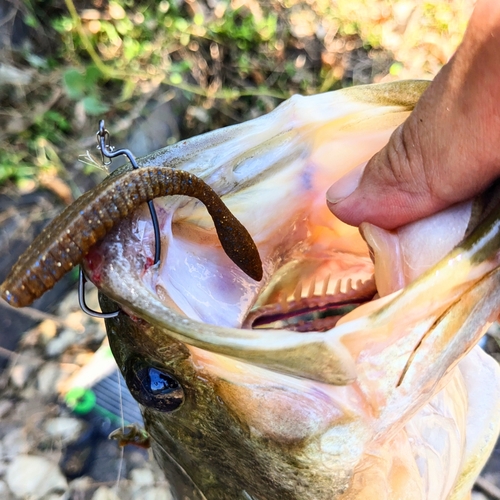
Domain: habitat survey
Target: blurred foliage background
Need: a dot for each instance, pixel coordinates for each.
(64, 64)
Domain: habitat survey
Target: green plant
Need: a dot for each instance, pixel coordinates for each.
(83, 86)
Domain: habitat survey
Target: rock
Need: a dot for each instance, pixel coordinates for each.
(14, 443)
(59, 344)
(154, 493)
(28, 393)
(47, 379)
(65, 428)
(5, 406)
(33, 477)
(104, 493)
(69, 304)
(81, 483)
(10, 75)
(142, 487)
(47, 329)
(20, 374)
(477, 495)
(4, 490)
(142, 477)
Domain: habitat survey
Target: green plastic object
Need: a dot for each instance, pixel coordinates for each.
(81, 400)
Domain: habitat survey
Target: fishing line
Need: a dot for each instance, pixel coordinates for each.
(120, 398)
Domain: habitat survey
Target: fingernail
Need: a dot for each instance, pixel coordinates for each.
(345, 186)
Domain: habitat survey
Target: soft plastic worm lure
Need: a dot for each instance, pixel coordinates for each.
(69, 237)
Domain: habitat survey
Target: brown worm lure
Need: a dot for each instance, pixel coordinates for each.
(69, 237)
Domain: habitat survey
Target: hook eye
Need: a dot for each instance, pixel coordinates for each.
(104, 144)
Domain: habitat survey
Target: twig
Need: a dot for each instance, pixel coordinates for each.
(7, 353)
(29, 118)
(35, 314)
(488, 487)
(107, 72)
(9, 16)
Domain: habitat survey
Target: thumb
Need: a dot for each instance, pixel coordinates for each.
(392, 189)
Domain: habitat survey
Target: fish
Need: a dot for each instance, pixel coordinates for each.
(350, 370)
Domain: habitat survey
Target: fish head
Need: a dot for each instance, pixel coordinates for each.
(349, 370)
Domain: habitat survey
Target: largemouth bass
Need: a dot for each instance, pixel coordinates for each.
(349, 371)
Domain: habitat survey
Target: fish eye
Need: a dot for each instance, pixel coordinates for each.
(153, 387)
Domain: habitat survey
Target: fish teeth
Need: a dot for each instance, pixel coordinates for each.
(297, 294)
(348, 286)
(283, 302)
(337, 287)
(312, 288)
(325, 285)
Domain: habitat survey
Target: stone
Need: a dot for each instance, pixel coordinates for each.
(153, 493)
(81, 483)
(66, 429)
(5, 406)
(20, 374)
(4, 490)
(14, 443)
(105, 493)
(59, 344)
(69, 304)
(34, 477)
(47, 378)
(477, 495)
(142, 477)
(80, 487)
(47, 329)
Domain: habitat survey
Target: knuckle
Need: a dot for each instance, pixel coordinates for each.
(406, 168)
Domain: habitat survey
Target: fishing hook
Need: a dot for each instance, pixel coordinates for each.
(108, 153)
(83, 305)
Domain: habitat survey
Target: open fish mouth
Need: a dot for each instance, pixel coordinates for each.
(273, 173)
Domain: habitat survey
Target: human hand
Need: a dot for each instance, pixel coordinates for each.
(448, 150)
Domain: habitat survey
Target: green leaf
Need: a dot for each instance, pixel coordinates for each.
(31, 21)
(176, 78)
(127, 90)
(74, 83)
(396, 68)
(94, 106)
(92, 76)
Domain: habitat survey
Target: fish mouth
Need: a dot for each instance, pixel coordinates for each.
(321, 293)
